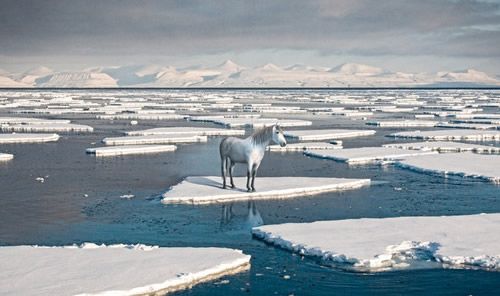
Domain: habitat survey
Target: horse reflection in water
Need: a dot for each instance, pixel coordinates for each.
(251, 219)
(249, 151)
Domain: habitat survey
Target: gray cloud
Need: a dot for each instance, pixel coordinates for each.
(343, 27)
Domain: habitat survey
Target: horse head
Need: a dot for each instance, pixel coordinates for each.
(278, 136)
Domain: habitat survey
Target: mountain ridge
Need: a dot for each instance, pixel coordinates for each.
(231, 74)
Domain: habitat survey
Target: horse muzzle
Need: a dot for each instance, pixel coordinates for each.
(282, 144)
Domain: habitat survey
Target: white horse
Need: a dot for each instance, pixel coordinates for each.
(250, 151)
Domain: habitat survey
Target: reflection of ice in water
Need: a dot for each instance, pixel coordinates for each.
(251, 219)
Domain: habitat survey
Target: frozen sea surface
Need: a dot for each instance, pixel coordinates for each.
(79, 201)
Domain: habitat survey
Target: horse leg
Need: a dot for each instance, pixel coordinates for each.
(249, 172)
(223, 171)
(254, 172)
(231, 168)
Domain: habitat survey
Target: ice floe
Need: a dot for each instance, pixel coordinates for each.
(367, 154)
(326, 134)
(27, 138)
(260, 122)
(451, 134)
(478, 126)
(471, 241)
(130, 149)
(200, 131)
(91, 269)
(132, 116)
(404, 123)
(305, 146)
(467, 164)
(446, 146)
(202, 190)
(154, 139)
(6, 156)
(47, 127)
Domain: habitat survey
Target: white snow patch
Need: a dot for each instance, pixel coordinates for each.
(92, 269)
(200, 131)
(201, 190)
(326, 134)
(471, 241)
(482, 166)
(47, 127)
(6, 156)
(367, 154)
(260, 122)
(404, 123)
(27, 138)
(154, 139)
(451, 134)
(304, 146)
(128, 150)
(443, 146)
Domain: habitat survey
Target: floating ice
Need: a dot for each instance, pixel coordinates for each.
(260, 122)
(326, 134)
(128, 150)
(6, 156)
(478, 126)
(47, 127)
(91, 269)
(482, 166)
(27, 138)
(404, 123)
(366, 154)
(154, 139)
(200, 131)
(304, 146)
(446, 147)
(451, 134)
(133, 116)
(202, 190)
(471, 241)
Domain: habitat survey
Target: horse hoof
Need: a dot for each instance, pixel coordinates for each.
(249, 190)
(232, 186)
(253, 189)
(224, 187)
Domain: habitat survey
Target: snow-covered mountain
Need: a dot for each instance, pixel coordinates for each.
(230, 74)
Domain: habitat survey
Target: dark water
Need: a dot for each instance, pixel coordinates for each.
(80, 202)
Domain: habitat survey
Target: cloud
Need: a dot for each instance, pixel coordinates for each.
(351, 27)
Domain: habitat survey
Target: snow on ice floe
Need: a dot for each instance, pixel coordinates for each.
(6, 156)
(28, 120)
(155, 139)
(326, 134)
(27, 138)
(467, 164)
(451, 134)
(404, 123)
(445, 146)
(200, 131)
(367, 154)
(132, 116)
(203, 190)
(380, 244)
(130, 149)
(260, 122)
(478, 126)
(47, 127)
(305, 146)
(91, 269)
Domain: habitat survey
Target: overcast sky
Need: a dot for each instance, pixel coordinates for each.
(401, 35)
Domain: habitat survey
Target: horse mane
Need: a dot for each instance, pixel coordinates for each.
(262, 134)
